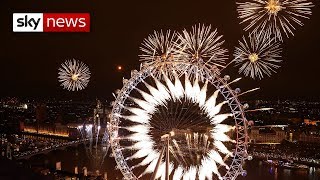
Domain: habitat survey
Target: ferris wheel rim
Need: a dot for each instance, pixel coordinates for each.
(240, 152)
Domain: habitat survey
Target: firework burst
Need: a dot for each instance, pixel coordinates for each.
(258, 55)
(276, 17)
(203, 45)
(159, 48)
(74, 75)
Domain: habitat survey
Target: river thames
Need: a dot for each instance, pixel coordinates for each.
(77, 157)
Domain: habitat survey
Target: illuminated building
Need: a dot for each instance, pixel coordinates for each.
(306, 137)
(311, 122)
(53, 130)
(272, 134)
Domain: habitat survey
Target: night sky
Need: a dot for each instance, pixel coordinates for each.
(29, 61)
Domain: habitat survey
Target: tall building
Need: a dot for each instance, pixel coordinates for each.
(21, 126)
(41, 114)
(100, 114)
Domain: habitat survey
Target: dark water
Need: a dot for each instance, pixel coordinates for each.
(71, 157)
(257, 170)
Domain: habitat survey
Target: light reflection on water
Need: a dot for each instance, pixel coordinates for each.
(257, 170)
(262, 171)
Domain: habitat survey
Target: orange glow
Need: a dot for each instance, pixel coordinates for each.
(62, 133)
(273, 6)
(119, 68)
(311, 122)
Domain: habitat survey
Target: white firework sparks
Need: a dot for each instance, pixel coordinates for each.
(159, 48)
(144, 144)
(203, 45)
(274, 16)
(74, 75)
(258, 55)
(90, 137)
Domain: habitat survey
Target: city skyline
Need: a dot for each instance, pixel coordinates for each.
(30, 61)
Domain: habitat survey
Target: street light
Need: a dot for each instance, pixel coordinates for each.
(165, 138)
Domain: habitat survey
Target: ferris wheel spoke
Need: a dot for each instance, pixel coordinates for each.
(182, 117)
(178, 119)
(192, 120)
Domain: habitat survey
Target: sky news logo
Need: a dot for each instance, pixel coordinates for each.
(51, 22)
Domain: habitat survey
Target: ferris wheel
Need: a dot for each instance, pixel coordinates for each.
(177, 118)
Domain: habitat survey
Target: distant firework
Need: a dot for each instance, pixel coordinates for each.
(276, 17)
(74, 75)
(257, 55)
